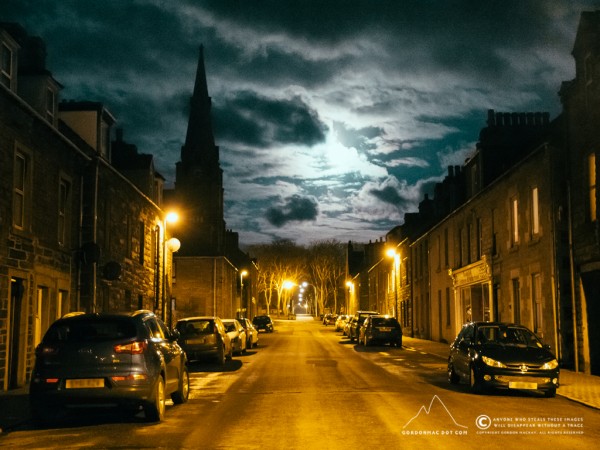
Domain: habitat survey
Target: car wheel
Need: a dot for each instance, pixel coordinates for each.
(474, 383)
(182, 394)
(453, 378)
(550, 393)
(221, 355)
(229, 355)
(399, 343)
(155, 409)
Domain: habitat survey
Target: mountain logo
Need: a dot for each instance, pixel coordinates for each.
(436, 415)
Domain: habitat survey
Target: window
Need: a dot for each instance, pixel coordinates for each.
(446, 255)
(64, 193)
(514, 221)
(21, 189)
(469, 239)
(536, 298)
(535, 212)
(6, 66)
(478, 243)
(447, 306)
(592, 186)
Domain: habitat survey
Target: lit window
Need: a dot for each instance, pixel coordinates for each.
(536, 296)
(514, 221)
(535, 212)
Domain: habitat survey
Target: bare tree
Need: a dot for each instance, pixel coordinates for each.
(326, 265)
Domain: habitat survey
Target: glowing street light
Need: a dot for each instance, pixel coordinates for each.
(172, 245)
(391, 253)
(243, 273)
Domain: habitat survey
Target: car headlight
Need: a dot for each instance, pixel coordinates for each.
(550, 365)
(493, 363)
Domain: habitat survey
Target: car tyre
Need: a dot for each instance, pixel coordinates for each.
(155, 409)
(550, 393)
(182, 394)
(221, 355)
(474, 383)
(453, 378)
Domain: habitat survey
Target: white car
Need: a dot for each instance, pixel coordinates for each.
(251, 332)
(237, 334)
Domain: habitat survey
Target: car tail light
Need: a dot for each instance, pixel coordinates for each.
(133, 348)
(43, 350)
(130, 377)
(51, 380)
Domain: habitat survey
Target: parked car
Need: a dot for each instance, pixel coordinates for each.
(263, 323)
(130, 361)
(381, 330)
(204, 336)
(237, 335)
(357, 322)
(502, 356)
(251, 332)
(340, 322)
(329, 319)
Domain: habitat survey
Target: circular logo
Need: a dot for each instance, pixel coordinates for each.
(483, 422)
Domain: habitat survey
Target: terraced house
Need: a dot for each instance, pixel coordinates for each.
(76, 234)
(511, 235)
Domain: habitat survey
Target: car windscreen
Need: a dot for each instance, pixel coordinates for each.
(385, 322)
(514, 336)
(196, 327)
(96, 329)
(229, 326)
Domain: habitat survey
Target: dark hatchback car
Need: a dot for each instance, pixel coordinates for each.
(130, 361)
(204, 337)
(381, 330)
(263, 323)
(504, 356)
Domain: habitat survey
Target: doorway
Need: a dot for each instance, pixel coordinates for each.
(16, 325)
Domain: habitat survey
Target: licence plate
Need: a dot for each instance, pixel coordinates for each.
(385, 329)
(521, 385)
(85, 383)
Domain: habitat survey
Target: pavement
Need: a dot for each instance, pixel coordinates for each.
(576, 386)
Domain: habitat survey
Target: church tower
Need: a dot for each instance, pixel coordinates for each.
(198, 191)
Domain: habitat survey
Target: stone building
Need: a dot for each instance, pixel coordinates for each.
(580, 98)
(75, 233)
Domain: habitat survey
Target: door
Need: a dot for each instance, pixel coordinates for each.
(16, 327)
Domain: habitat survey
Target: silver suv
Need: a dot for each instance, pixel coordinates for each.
(124, 360)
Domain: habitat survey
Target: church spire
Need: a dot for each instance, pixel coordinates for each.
(199, 144)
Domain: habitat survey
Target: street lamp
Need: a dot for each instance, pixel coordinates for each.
(173, 245)
(243, 273)
(396, 257)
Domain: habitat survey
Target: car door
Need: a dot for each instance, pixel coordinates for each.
(463, 351)
(170, 351)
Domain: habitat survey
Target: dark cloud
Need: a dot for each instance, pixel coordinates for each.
(252, 119)
(295, 209)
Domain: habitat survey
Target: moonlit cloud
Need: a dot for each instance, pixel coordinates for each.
(334, 118)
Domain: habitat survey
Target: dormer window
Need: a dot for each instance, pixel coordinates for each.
(6, 66)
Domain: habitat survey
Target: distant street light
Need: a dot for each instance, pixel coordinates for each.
(173, 245)
(243, 273)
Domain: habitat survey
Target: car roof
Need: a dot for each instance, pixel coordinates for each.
(191, 319)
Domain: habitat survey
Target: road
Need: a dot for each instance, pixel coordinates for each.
(307, 387)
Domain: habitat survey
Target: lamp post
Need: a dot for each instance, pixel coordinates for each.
(396, 258)
(173, 245)
(243, 273)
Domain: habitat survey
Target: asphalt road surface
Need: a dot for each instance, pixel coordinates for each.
(307, 387)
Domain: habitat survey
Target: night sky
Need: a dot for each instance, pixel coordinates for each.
(333, 117)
